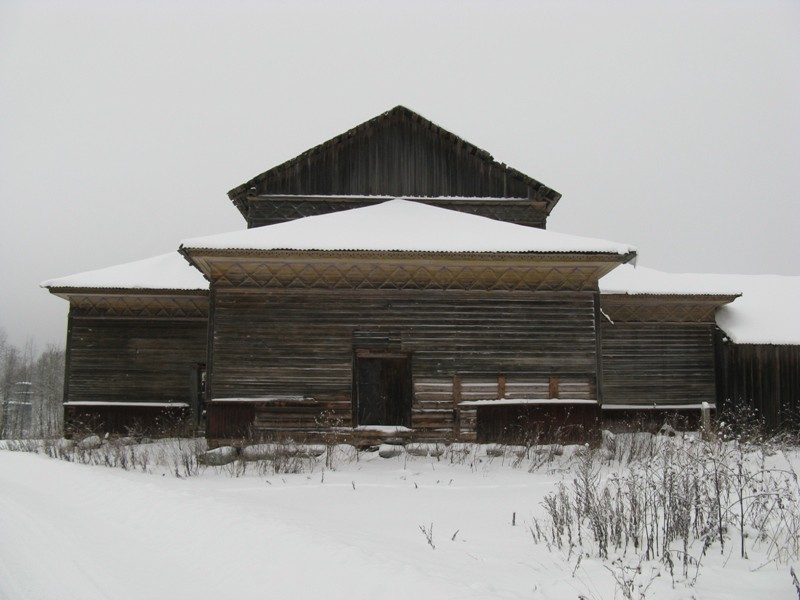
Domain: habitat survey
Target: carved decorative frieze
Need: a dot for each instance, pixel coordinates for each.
(395, 275)
(145, 307)
(662, 309)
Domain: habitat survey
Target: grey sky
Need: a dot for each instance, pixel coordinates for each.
(673, 126)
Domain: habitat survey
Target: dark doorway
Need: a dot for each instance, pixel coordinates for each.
(197, 395)
(382, 389)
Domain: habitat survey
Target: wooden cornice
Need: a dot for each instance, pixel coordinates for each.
(404, 270)
(655, 308)
(140, 303)
(268, 209)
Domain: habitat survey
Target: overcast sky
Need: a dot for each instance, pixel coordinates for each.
(673, 126)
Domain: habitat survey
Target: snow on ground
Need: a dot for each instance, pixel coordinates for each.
(70, 530)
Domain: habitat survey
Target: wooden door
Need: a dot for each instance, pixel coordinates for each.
(382, 390)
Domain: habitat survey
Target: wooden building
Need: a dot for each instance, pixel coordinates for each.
(136, 345)
(399, 320)
(733, 338)
(394, 283)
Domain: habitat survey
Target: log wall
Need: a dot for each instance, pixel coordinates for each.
(658, 363)
(133, 360)
(302, 344)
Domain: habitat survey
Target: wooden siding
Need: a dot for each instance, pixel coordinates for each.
(651, 363)
(110, 418)
(395, 154)
(537, 424)
(303, 343)
(652, 420)
(133, 360)
(230, 420)
(269, 210)
(765, 378)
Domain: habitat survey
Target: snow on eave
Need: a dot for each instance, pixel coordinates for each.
(384, 197)
(641, 281)
(404, 226)
(764, 311)
(163, 273)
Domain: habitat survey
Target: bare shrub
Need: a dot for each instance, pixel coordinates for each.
(677, 499)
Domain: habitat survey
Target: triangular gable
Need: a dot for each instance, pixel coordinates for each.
(398, 153)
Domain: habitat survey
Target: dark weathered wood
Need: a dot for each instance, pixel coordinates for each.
(530, 424)
(230, 420)
(395, 154)
(127, 420)
(271, 209)
(763, 378)
(299, 343)
(652, 420)
(133, 360)
(651, 363)
(383, 390)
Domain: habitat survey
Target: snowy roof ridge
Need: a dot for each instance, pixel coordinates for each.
(401, 225)
(163, 272)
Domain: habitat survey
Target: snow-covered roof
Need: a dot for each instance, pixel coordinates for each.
(766, 313)
(627, 279)
(405, 226)
(164, 272)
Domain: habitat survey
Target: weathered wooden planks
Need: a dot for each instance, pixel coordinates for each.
(764, 378)
(395, 154)
(652, 363)
(304, 344)
(133, 360)
(269, 209)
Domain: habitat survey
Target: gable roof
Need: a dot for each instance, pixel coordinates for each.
(397, 153)
(404, 226)
(163, 272)
(765, 313)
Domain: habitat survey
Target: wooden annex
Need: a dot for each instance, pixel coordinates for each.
(395, 284)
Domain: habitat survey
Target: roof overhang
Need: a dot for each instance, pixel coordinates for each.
(486, 271)
(663, 308)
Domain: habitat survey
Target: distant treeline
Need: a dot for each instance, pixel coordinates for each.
(31, 389)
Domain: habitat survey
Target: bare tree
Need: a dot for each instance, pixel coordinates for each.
(31, 389)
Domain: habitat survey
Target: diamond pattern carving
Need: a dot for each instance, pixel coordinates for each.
(146, 307)
(665, 312)
(278, 274)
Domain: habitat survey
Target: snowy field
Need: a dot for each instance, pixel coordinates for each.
(462, 525)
